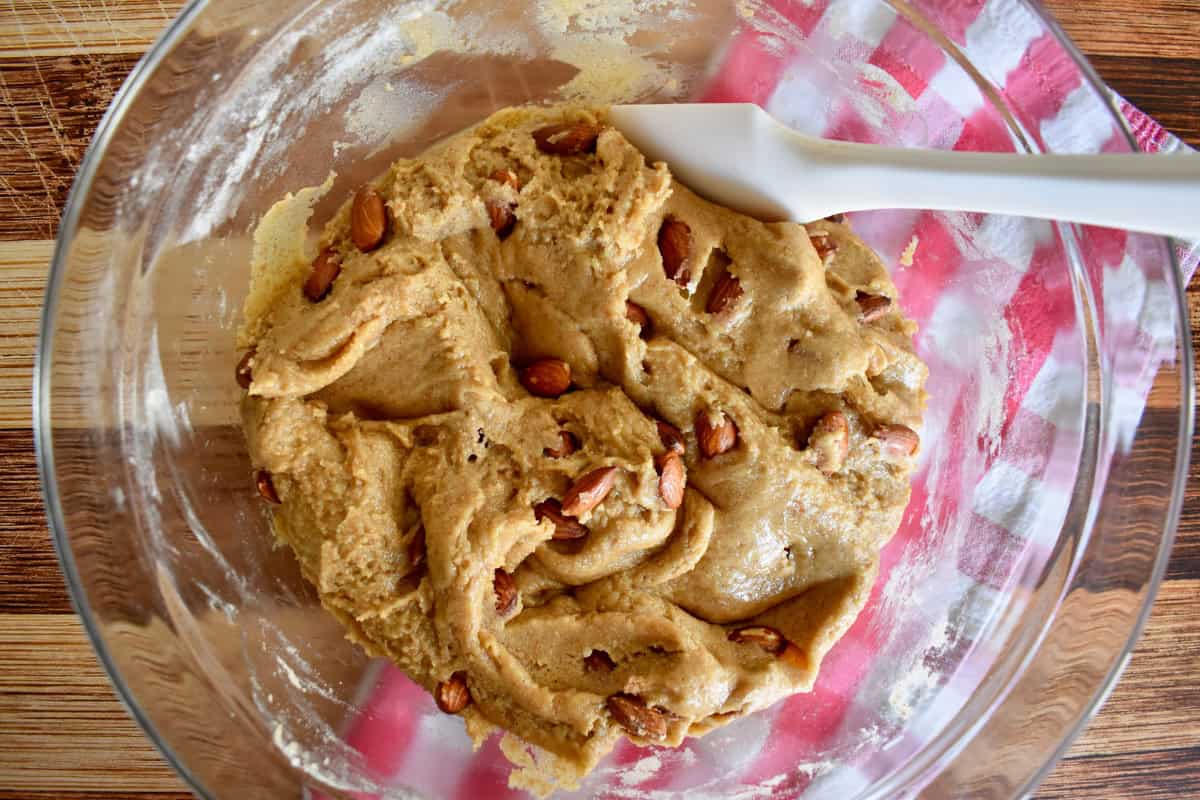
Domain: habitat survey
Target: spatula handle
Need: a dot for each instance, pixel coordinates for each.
(1151, 193)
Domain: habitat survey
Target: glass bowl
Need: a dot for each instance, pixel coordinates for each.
(1055, 447)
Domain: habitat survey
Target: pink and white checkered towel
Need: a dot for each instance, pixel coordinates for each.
(1018, 493)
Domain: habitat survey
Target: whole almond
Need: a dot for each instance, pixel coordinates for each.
(567, 444)
(675, 245)
(506, 592)
(266, 486)
(416, 549)
(452, 695)
(368, 219)
(716, 435)
(567, 138)
(764, 636)
(671, 478)
(670, 436)
(638, 316)
(589, 491)
(244, 376)
(899, 441)
(724, 294)
(547, 377)
(631, 713)
(823, 243)
(324, 271)
(871, 306)
(565, 528)
(830, 441)
(599, 661)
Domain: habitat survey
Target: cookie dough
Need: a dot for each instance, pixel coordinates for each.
(460, 404)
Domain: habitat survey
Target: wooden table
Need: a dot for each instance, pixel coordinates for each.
(63, 733)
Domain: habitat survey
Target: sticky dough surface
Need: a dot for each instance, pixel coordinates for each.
(391, 411)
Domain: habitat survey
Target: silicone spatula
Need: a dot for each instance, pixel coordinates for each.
(737, 155)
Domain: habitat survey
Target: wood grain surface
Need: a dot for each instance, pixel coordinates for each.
(63, 733)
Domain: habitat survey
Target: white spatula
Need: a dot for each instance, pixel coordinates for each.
(738, 155)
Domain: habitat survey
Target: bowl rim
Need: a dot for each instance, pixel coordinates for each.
(1183, 446)
(176, 29)
(43, 445)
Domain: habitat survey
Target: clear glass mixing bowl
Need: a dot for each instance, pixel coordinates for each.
(1043, 512)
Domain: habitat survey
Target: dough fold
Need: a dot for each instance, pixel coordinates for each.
(409, 458)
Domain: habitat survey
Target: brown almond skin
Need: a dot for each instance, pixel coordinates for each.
(567, 138)
(506, 592)
(675, 245)
(638, 316)
(452, 694)
(500, 213)
(764, 636)
(507, 176)
(565, 528)
(368, 219)
(724, 294)
(898, 441)
(325, 269)
(568, 444)
(266, 486)
(502, 218)
(823, 243)
(670, 436)
(715, 437)
(872, 306)
(830, 440)
(589, 491)
(547, 377)
(794, 656)
(631, 713)
(599, 661)
(244, 376)
(671, 478)
(840, 219)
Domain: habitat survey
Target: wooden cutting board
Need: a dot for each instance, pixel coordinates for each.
(64, 735)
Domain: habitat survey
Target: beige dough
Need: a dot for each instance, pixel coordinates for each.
(391, 417)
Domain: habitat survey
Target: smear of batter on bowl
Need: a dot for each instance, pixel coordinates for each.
(586, 455)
